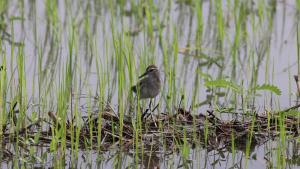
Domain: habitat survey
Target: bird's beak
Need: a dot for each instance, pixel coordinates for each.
(143, 75)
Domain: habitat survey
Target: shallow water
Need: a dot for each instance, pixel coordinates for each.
(277, 68)
(270, 40)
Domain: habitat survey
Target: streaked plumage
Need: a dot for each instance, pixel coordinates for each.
(149, 86)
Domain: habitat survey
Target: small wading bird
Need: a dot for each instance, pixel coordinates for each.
(149, 86)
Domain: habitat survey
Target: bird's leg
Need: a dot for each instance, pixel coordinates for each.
(144, 114)
(146, 111)
(151, 113)
(150, 104)
(155, 107)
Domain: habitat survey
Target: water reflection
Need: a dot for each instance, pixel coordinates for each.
(103, 45)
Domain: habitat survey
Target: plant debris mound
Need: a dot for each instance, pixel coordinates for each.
(106, 131)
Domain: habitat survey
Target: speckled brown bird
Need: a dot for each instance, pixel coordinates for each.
(149, 86)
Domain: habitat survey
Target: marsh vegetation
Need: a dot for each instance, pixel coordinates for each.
(228, 95)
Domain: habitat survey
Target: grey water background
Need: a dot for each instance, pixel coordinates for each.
(282, 53)
(281, 68)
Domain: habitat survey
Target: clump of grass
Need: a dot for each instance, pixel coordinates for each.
(224, 47)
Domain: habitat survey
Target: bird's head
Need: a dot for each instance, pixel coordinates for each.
(151, 69)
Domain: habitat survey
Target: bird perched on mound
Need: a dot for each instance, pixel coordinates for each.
(149, 86)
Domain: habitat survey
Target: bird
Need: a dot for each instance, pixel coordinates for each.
(149, 85)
